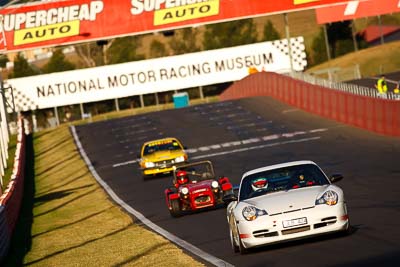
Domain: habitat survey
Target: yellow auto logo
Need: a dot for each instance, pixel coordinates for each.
(299, 2)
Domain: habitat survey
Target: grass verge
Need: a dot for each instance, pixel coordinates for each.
(68, 220)
(10, 161)
(373, 61)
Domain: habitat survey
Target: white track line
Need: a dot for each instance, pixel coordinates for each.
(238, 143)
(180, 242)
(255, 147)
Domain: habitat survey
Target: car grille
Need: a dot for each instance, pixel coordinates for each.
(264, 233)
(202, 200)
(296, 230)
(325, 222)
(164, 163)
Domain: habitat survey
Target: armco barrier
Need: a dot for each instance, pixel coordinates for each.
(4, 234)
(11, 199)
(371, 113)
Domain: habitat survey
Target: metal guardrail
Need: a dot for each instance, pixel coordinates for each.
(11, 199)
(5, 236)
(344, 87)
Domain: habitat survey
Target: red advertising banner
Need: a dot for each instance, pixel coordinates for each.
(356, 9)
(52, 23)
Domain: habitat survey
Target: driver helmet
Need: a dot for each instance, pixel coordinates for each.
(259, 183)
(182, 177)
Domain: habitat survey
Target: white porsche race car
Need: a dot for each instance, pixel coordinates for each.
(285, 202)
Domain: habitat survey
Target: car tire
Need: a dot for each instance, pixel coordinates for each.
(175, 208)
(235, 248)
(348, 230)
(242, 249)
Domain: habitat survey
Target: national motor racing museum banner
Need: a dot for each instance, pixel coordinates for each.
(154, 75)
(39, 24)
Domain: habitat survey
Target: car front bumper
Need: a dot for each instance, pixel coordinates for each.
(157, 170)
(268, 229)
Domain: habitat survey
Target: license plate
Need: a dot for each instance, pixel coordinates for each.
(294, 222)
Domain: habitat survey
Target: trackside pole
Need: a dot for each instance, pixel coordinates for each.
(116, 104)
(201, 92)
(288, 40)
(141, 101)
(157, 100)
(328, 51)
(4, 135)
(380, 29)
(56, 114)
(353, 34)
(82, 111)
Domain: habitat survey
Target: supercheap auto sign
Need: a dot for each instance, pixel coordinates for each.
(154, 75)
(73, 21)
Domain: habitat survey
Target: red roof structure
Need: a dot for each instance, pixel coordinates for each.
(373, 32)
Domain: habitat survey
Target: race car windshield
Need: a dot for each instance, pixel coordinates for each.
(282, 179)
(200, 172)
(161, 146)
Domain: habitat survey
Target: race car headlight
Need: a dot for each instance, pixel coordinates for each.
(149, 164)
(185, 190)
(329, 198)
(214, 184)
(250, 213)
(180, 159)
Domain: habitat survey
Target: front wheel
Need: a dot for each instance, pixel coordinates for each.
(235, 248)
(242, 249)
(175, 208)
(348, 230)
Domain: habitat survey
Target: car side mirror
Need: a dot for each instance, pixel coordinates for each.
(335, 178)
(229, 198)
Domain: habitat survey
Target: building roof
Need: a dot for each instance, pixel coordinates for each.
(373, 32)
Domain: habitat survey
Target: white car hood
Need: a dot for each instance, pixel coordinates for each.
(293, 199)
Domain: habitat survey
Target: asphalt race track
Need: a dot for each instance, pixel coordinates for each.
(241, 135)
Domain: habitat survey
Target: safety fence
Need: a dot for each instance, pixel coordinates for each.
(11, 199)
(345, 87)
(350, 104)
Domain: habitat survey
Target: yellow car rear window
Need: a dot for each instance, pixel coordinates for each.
(161, 146)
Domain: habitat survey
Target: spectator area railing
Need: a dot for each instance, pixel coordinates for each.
(344, 87)
(351, 104)
(11, 199)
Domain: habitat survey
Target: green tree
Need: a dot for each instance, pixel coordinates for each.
(344, 47)
(90, 53)
(228, 34)
(319, 49)
(185, 41)
(58, 63)
(124, 50)
(3, 61)
(270, 33)
(157, 49)
(22, 68)
(338, 31)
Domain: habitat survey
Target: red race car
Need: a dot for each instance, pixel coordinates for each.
(196, 187)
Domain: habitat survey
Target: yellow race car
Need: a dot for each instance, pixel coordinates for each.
(161, 156)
